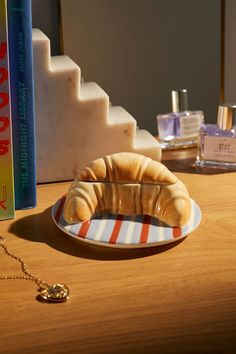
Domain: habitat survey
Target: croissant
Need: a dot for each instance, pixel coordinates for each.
(128, 184)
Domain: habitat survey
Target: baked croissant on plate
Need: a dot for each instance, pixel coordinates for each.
(128, 184)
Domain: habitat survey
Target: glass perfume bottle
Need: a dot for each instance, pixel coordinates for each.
(217, 142)
(179, 128)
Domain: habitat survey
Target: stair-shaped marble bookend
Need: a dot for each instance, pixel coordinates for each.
(74, 121)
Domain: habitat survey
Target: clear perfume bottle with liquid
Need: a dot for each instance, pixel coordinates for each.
(217, 142)
(179, 128)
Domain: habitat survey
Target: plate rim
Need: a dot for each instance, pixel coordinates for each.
(124, 245)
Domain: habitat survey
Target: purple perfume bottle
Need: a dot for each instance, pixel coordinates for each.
(180, 127)
(217, 143)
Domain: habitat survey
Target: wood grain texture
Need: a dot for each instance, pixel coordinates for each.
(172, 299)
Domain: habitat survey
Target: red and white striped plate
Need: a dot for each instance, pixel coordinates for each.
(125, 231)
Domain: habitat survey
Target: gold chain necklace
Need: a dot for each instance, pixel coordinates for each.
(50, 293)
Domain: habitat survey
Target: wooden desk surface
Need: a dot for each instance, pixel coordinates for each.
(176, 299)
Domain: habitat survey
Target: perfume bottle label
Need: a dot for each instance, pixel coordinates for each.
(190, 125)
(220, 149)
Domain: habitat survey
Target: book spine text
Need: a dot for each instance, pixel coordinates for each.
(22, 101)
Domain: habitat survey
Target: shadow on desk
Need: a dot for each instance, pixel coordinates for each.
(188, 165)
(41, 228)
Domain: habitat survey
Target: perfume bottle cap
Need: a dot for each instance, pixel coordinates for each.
(179, 100)
(226, 117)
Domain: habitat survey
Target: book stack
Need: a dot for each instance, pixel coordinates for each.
(6, 162)
(17, 121)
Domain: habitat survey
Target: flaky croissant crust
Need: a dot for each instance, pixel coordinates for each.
(127, 167)
(146, 187)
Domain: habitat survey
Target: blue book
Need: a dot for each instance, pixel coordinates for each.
(22, 101)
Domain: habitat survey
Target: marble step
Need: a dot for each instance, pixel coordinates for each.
(121, 124)
(146, 144)
(41, 50)
(65, 75)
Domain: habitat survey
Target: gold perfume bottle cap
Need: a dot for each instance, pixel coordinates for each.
(179, 100)
(226, 119)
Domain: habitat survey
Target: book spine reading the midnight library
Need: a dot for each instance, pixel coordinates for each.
(22, 101)
(6, 160)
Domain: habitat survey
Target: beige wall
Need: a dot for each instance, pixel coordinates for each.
(139, 50)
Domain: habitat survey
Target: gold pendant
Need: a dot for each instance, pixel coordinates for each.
(50, 293)
(55, 293)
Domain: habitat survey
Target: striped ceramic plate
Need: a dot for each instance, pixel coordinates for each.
(125, 231)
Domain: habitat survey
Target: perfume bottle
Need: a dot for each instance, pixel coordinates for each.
(180, 127)
(217, 142)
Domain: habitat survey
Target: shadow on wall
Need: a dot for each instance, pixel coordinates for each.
(45, 16)
(138, 51)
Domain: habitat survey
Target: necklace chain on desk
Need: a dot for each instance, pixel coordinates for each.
(51, 293)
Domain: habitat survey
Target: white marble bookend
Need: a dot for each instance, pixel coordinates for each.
(74, 121)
